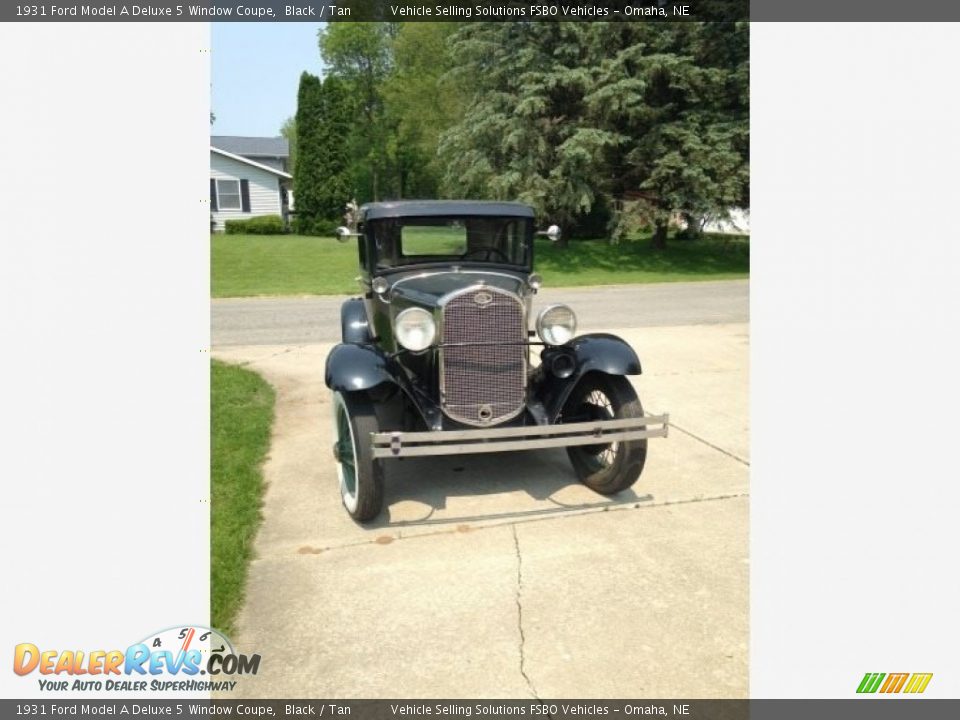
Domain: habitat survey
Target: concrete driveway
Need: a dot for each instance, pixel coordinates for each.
(500, 575)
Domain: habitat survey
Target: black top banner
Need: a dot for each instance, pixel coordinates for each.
(479, 10)
(383, 11)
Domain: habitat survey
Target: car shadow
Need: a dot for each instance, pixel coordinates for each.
(545, 478)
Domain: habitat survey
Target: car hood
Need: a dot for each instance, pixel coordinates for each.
(428, 288)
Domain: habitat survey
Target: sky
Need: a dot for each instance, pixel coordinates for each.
(255, 70)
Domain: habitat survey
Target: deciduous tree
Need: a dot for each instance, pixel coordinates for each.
(359, 54)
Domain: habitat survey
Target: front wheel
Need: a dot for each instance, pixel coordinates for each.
(615, 466)
(360, 475)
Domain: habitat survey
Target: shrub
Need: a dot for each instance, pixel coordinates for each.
(313, 226)
(261, 225)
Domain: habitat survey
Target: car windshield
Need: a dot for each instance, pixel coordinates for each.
(412, 241)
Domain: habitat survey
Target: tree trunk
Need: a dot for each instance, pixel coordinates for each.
(694, 229)
(659, 241)
(565, 224)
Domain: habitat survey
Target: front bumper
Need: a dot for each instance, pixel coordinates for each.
(458, 442)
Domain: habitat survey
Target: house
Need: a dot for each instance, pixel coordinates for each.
(248, 178)
(272, 151)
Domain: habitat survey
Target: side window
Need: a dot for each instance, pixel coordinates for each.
(386, 238)
(510, 239)
(513, 239)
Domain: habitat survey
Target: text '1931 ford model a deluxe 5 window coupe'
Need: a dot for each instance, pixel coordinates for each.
(436, 355)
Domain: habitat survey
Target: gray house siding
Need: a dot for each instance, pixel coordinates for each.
(264, 189)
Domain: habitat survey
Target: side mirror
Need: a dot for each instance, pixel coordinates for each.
(552, 233)
(345, 233)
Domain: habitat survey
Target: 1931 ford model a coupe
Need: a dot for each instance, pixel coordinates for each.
(435, 358)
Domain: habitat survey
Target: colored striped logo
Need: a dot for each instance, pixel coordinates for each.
(894, 682)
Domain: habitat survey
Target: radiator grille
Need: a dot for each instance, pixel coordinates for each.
(485, 383)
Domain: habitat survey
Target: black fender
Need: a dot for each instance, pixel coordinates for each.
(354, 368)
(357, 367)
(354, 324)
(598, 352)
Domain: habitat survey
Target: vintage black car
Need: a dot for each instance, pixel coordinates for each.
(436, 355)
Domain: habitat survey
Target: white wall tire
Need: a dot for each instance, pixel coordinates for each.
(359, 475)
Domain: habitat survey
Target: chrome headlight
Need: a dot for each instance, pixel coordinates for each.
(556, 325)
(415, 329)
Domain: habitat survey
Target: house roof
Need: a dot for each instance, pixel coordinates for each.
(426, 208)
(252, 146)
(248, 161)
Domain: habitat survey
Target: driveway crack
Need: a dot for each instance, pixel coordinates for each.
(674, 426)
(519, 595)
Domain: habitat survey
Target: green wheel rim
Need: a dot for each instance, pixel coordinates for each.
(348, 461)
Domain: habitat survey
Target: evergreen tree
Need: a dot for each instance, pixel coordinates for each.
(673, 101)
(308, 173)
(524, 134)
(568, 114)
(335, 188)
(322, 185)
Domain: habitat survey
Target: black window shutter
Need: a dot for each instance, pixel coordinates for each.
(213, 194)
(245, 195)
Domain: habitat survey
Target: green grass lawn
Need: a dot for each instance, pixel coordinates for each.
(241, 415)
(596, 262)
(244, 265)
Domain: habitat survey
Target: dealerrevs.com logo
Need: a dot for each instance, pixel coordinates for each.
(911, 683)
(185, 658)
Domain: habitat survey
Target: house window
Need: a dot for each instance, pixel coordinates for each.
(228, 194)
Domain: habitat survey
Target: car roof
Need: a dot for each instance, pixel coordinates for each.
(427, 208)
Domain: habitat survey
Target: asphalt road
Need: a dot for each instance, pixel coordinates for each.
(305, 320)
